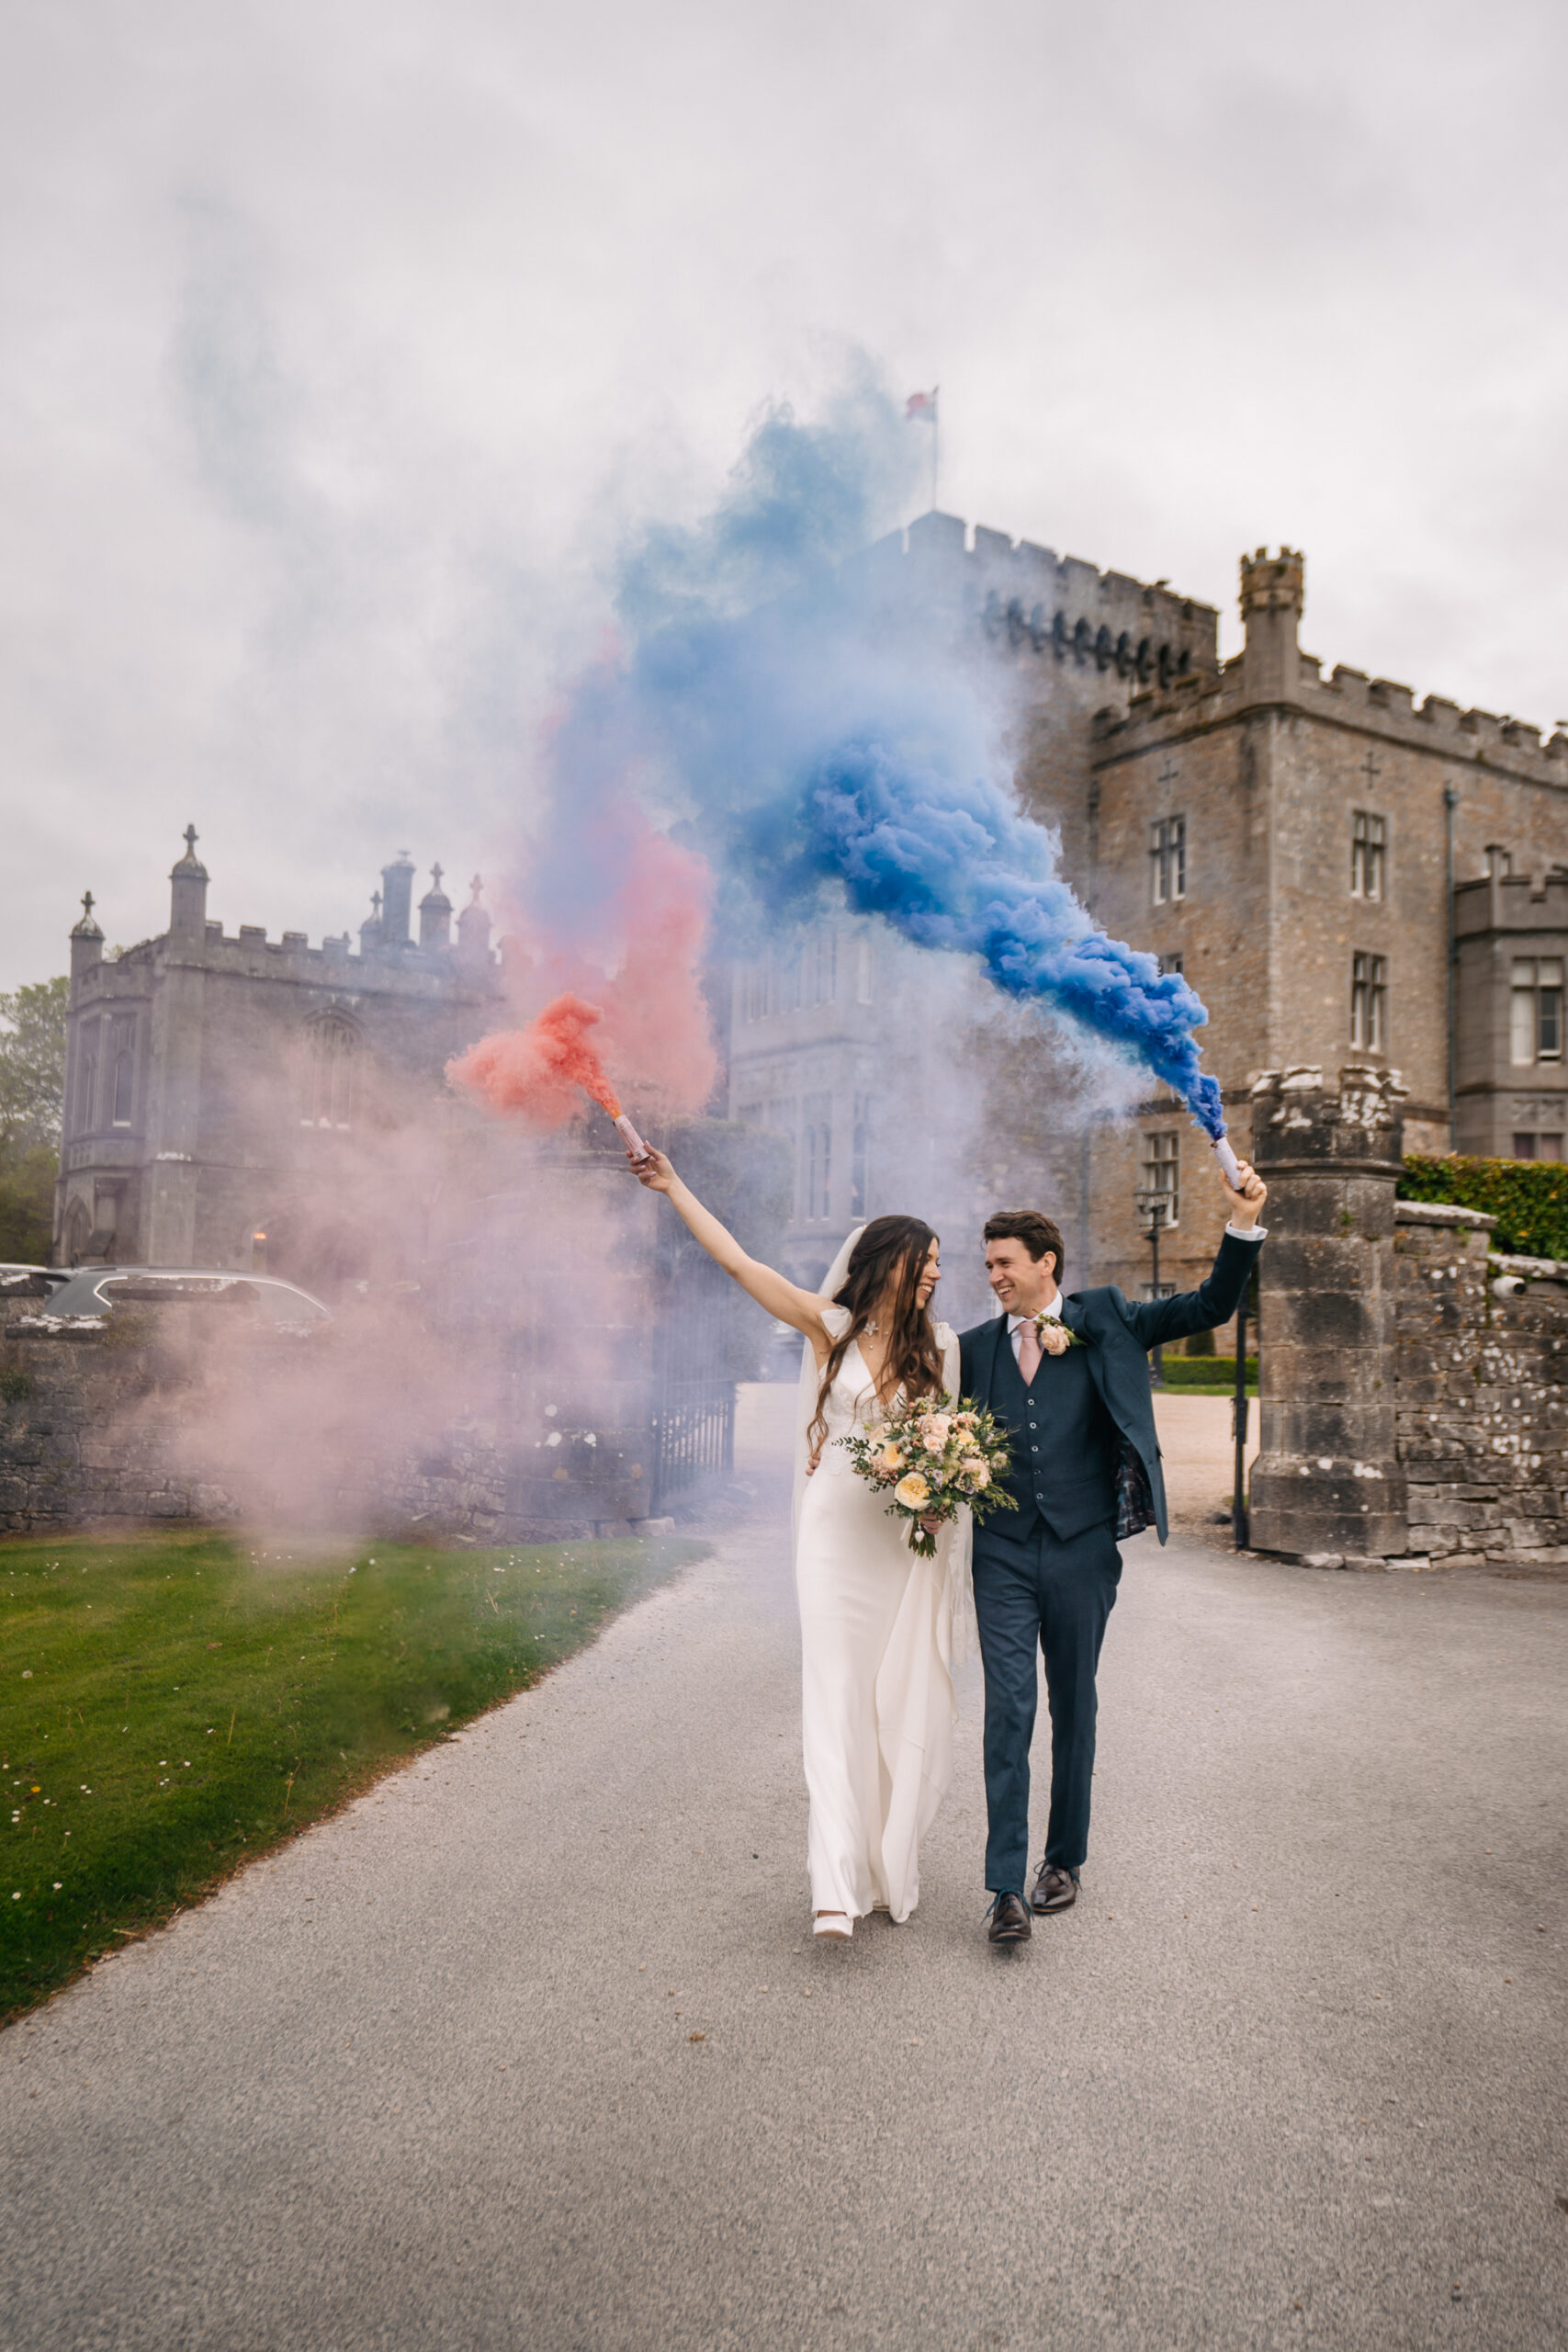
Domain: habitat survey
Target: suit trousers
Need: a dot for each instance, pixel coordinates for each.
(1035, 1595)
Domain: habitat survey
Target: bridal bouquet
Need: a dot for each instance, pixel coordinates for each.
(929, 1461)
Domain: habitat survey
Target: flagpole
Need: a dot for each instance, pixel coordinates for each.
(936, 437)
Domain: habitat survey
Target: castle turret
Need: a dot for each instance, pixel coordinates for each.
(86, 939)
(473, 928)
(397, 901)
(371, 929)
(436, 914)
(188, 895)
(1273, 591)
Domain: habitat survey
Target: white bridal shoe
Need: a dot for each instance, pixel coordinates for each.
(833, 1923)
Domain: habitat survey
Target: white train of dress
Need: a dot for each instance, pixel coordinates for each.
(879, 1628)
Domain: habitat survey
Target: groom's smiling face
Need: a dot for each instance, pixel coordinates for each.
(1023, 1283)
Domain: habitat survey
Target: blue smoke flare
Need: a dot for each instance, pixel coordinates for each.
(801, 734)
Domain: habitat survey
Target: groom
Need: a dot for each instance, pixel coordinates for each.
(1069, 1377)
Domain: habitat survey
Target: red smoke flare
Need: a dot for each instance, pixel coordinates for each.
(637, 955)
(537, 1070)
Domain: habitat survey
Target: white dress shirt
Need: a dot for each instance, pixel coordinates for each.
(1053, 1313)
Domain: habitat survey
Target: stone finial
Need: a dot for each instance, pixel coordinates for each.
(188, 895)
(436, 914)
(190, 866)
(473, 927)
(1298, 1122)
(87, 940)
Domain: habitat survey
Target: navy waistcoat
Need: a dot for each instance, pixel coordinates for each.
(1063, 1445)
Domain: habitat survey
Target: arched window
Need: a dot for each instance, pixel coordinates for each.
(122, 1070)
(860, 1155)
(88, 1075)
(818, 1110)
(333, 1045)
(78, 1230)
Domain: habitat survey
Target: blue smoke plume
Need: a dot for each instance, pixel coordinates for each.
(802, 736)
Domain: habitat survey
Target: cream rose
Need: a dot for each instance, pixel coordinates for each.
(890, 1459)
(1054, 1338)
(935, 1430)
(973, 1474)
(912, 1492)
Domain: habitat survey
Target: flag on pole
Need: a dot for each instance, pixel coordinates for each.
(921, 409)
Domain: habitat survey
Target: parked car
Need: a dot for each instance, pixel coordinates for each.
(31, 1281)
(100, 1290)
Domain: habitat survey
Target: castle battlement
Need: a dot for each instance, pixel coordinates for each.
(390, 961)
(1027, 599)
(1512, 902)
(1272, 672)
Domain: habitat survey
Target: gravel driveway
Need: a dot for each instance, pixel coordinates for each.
(528, 2049)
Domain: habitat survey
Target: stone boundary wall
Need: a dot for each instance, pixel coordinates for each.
(98, 1430)
(1412, 1399)
(1479, 1368)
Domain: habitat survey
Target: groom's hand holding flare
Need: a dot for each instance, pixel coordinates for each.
(1245, 1206)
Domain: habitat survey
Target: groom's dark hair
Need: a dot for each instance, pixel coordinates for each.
(1036, 1232)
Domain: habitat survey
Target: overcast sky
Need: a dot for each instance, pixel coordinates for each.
(340, 341)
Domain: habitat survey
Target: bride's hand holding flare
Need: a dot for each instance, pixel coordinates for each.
(801, 1309)
(652, 1169)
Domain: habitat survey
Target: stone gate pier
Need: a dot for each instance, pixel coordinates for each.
(1412, 1376)
(1327, 1479)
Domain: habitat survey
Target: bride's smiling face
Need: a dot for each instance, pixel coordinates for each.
(931, 1275)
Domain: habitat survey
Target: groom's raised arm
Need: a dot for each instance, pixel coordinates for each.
(1155, 1322)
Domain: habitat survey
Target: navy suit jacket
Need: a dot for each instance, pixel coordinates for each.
(1118, 1333)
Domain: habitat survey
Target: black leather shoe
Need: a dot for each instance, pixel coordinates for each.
(1010, 1923)
(1055, 1889)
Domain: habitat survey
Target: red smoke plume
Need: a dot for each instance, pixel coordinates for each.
(642, 969)
(537, 1070)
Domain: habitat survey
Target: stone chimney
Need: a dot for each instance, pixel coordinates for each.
(436, 914)
(473, 929)
(86, 939)
(1273, 591)
(187, 895)
(397, 901)
(1327, 1486)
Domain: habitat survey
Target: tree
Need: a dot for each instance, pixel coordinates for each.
(32, 1097)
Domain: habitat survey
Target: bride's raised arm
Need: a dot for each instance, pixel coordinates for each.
(802, 1309)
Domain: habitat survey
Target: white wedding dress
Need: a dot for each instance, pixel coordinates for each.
(881, 1630)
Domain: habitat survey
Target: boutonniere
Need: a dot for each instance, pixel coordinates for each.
(1054, 1335)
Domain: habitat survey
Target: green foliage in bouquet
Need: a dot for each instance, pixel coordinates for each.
(933, 1461)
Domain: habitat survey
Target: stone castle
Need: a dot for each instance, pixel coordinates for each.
(1343, 875)
(219, 1088)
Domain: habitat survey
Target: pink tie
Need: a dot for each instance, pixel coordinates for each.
(1029, 1351)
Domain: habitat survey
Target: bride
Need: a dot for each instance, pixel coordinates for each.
(877, 1624)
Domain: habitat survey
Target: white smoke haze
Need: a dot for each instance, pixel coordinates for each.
(343, 344)
(349, 349)
(489, 1352)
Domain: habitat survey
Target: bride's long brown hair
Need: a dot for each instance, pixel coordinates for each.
(891, 1250)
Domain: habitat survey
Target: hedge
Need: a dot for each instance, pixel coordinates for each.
(1527, 1197)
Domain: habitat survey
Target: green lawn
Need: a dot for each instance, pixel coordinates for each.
(172, 1705)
